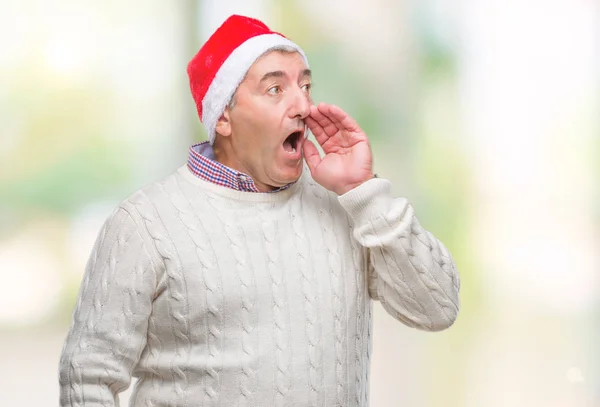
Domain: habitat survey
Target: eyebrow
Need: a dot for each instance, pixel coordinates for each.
(280, 74)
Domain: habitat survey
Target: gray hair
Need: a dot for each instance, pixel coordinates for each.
(281, 48)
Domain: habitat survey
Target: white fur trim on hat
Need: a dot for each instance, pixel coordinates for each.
(232, 72)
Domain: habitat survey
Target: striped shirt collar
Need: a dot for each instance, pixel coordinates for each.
(203, 164)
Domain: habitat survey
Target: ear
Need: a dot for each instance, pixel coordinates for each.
(223, 126)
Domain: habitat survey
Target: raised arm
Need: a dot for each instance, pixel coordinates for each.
(412, 274)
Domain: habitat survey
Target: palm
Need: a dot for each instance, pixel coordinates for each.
(347, 162)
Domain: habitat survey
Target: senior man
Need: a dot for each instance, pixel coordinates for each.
(247, 276)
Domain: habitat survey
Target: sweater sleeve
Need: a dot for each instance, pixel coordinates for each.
(110, 319)
(411, 273)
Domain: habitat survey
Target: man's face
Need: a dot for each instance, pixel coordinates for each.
(267, 120)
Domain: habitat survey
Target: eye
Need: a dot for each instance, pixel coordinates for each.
(274, 90)
(307, 88)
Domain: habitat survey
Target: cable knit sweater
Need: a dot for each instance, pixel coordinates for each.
(216, 297)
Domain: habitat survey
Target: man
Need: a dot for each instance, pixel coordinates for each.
(246, 278)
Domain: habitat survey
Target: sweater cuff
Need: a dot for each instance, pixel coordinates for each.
(370, 200)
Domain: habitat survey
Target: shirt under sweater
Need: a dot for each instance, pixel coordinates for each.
(217, 297)
(203, 163)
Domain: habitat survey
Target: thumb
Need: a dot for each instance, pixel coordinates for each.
(311, 155)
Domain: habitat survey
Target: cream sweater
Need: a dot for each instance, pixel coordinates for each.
(215, 297)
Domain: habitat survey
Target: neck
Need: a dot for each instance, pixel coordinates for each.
(224, 155)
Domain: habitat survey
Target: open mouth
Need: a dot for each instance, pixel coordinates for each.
(292, 142)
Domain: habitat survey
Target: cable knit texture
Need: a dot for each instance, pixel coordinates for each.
(216, 297)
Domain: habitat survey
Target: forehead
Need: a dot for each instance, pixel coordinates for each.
(290, 63)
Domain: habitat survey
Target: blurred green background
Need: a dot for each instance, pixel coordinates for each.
(484, 114)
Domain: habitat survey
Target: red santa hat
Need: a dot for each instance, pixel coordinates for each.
(223, 61)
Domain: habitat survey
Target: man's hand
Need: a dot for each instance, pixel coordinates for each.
(348, 161)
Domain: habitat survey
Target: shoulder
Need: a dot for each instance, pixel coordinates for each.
(153, 191)
(157, 197)
(141, 207)
(150, 208)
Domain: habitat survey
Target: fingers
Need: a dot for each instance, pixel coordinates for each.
(338, 117)
(320, 125)
(323, 120)
(326, 120)
(311, 155)
(317, 130)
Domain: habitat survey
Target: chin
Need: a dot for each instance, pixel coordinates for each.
(290, 174)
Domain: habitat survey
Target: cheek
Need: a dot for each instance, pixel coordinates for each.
(263, 131)
(257, 126)
(251, 138)
(244, 125)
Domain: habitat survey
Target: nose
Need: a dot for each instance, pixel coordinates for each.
(300, 104)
